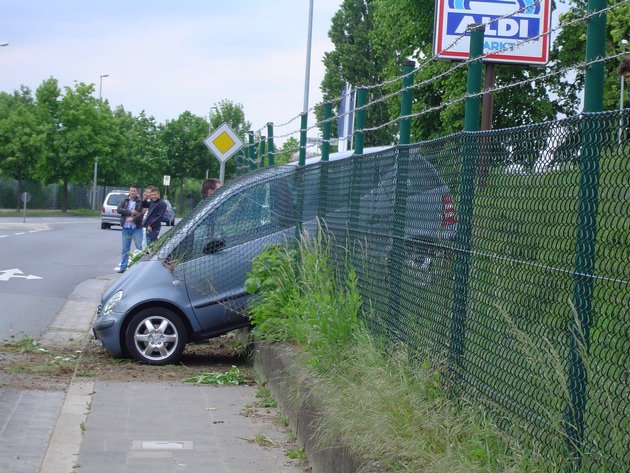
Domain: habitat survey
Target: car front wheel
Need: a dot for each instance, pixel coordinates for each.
(155, 337)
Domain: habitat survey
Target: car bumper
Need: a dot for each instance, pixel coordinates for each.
(110, 219)
(106, 330)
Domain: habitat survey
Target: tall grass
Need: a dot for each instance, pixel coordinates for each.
(389, 407)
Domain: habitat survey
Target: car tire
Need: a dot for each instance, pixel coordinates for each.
(155, 336)
(104, 226)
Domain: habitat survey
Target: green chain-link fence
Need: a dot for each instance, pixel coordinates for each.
(502, 256)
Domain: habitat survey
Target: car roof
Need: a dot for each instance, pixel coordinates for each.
(343, 154)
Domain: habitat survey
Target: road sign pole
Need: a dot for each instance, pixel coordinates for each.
(222, 172)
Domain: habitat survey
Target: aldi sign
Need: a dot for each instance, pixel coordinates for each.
(516, 30)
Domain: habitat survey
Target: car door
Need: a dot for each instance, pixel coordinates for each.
(221, 247)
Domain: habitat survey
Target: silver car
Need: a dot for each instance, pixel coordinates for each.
(192, 288)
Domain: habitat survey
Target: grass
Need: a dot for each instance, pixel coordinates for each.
(232, 377)
(389, 406)
(50, 213)
(42, 360)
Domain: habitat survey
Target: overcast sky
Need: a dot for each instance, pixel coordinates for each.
(169, 56)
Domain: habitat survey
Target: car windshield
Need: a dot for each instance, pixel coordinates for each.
(115, 199)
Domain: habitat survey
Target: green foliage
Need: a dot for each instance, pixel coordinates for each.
(387, 408)
(355, 60)
(569, 48)
(302, 297)
(57, 136)
(24, 345)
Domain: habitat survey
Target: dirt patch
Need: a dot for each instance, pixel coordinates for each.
(29, 366)
(25, 365)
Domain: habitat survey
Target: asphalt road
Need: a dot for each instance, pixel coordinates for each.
(42, 261)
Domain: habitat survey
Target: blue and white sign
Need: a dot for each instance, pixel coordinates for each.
(517, 31)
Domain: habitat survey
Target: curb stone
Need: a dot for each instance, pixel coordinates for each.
(71, 327)
(291, 386)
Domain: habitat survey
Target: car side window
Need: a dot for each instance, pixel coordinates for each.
(243, 217)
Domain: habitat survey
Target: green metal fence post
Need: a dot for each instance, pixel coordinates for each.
(326, 125)
(463, 244)
(303, 126)
(252, 151)
(270, 146)
(359, 135)
(397, 257)
(300, 176)
(263, 151)
(323, 181)
(588, 201)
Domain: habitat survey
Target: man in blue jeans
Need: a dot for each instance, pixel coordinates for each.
(130, 210)
(153, 222)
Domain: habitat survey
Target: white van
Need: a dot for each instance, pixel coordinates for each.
(109, 214)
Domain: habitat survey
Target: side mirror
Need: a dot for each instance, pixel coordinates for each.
(215, 245)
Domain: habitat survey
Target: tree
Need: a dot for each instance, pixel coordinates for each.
(404, 29)
(80, 137)
(141, 157)
(356, 61)
(569, 50)
(21, 138)
(289, 147)
(186, 154)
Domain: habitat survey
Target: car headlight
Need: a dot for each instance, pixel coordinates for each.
(111, 303)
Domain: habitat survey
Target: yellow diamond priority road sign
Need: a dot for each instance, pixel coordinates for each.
(223, 142)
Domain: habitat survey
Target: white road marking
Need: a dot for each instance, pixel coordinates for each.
(15, 273)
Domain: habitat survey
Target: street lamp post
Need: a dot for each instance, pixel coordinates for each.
(100, 94)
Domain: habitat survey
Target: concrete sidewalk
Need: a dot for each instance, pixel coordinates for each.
(132, 426)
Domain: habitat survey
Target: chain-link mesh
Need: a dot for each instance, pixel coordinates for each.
(502, 256)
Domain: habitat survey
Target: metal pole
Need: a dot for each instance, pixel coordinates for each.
(326, 131)
(308, 55)
(586, 225)
(398, 256)
(488, 96)
(303, 125)
(252, 151)
(100, 95)
(263, 150)
(270, 146)
(624, 43)
(468, 172)
(359, 137)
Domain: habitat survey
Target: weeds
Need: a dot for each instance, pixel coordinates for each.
(389, 405)
(231, 377)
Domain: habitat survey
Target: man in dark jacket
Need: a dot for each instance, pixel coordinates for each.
(153, 221)
(130, 210)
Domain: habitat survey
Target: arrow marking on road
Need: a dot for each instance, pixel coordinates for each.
(6, 274)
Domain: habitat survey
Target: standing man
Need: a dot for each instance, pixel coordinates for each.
(130, 210)
(153, 222)
(209, 186)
